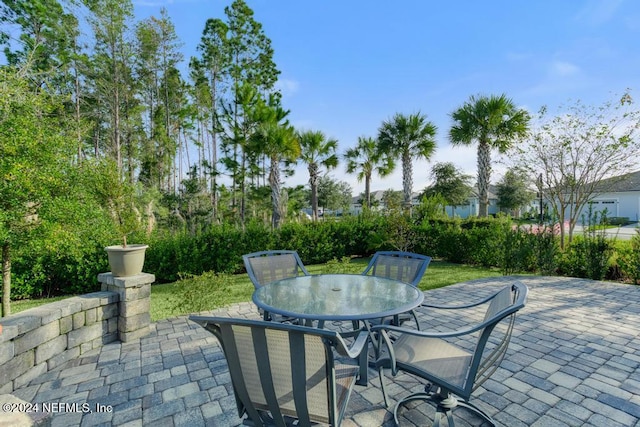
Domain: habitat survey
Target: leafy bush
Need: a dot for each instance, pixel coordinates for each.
(629, 259)
(321, 241)
(195, 292)
(516, 251)
(587, 257)
(312, 241)
(219, 249)
(618, 220)
(65, 256)
(430, 240)
(342, 266)
(547, 250)
(64, 263)
(483, 241)
(396, 232)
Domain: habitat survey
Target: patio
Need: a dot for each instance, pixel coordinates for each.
(573, 361)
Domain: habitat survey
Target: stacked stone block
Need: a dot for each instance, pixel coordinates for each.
(134, 292)
(40, 339)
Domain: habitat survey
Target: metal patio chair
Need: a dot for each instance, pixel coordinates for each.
(269, 266)
(453, 371)
(406, 267)
(284, 374)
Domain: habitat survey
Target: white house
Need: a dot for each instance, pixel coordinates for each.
(472, 207)
(376, 201)
(620, 196)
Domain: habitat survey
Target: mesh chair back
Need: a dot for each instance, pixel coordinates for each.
(268, 266)
(281, 371)
(495, 337)
(403, 266)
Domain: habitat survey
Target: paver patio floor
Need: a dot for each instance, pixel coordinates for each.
(573, 361)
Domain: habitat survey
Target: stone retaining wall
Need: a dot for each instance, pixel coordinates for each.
(37, 340)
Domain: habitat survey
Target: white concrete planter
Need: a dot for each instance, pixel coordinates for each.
(126, 261)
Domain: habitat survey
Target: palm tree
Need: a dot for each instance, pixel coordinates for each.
(365, 158)
(277, 140)
(317, 151)
(407, 137)
(494, 123)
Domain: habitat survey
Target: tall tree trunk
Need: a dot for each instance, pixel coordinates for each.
(367, 191)
(407, 178)
(76, 76)
(484, 175)
(6, 279)
(214, 148)
(234, 174)
(186, 153)
(314, 179)
(116, 109)
(243, 191)
(274, 181)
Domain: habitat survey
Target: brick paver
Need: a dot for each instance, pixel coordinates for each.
(573, 360)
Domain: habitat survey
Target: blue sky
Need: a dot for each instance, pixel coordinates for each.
(346, 66)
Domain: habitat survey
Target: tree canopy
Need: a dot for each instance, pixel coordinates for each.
(449, 182)
(407, 137)
(514, 191)
(493, 122)
(34, 158)
(577, 149)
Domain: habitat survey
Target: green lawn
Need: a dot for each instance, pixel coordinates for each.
(190, 295)
(163, 297)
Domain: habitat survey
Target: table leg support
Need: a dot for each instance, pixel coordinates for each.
(363, 361)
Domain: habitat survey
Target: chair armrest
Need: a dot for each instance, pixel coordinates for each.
(458, 307)
(358, 345)
(426, 334)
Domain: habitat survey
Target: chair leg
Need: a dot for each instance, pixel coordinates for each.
(442, 414)
(382, 386)
(415, 396)
(444, 402)
(415, 318)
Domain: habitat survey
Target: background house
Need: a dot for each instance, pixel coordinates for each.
(620, 196)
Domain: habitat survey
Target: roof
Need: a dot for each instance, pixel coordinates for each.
(620, 184)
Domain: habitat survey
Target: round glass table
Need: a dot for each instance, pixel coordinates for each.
(340, 297)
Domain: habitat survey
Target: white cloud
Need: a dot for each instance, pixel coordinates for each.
(287, 87)
(563, 69)
(560, 77)
(598, 12)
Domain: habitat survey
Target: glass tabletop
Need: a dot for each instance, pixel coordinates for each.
(338, 297)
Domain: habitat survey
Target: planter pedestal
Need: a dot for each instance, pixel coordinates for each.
(135, 301)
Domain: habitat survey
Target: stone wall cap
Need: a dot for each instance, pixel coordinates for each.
(128, 281)
(23, 322)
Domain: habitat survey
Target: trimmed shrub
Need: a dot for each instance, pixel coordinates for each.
(587, 257)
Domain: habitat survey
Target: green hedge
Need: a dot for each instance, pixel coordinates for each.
(48, 270)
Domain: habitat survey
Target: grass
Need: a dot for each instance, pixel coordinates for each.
(164, 298)
(212, 291)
